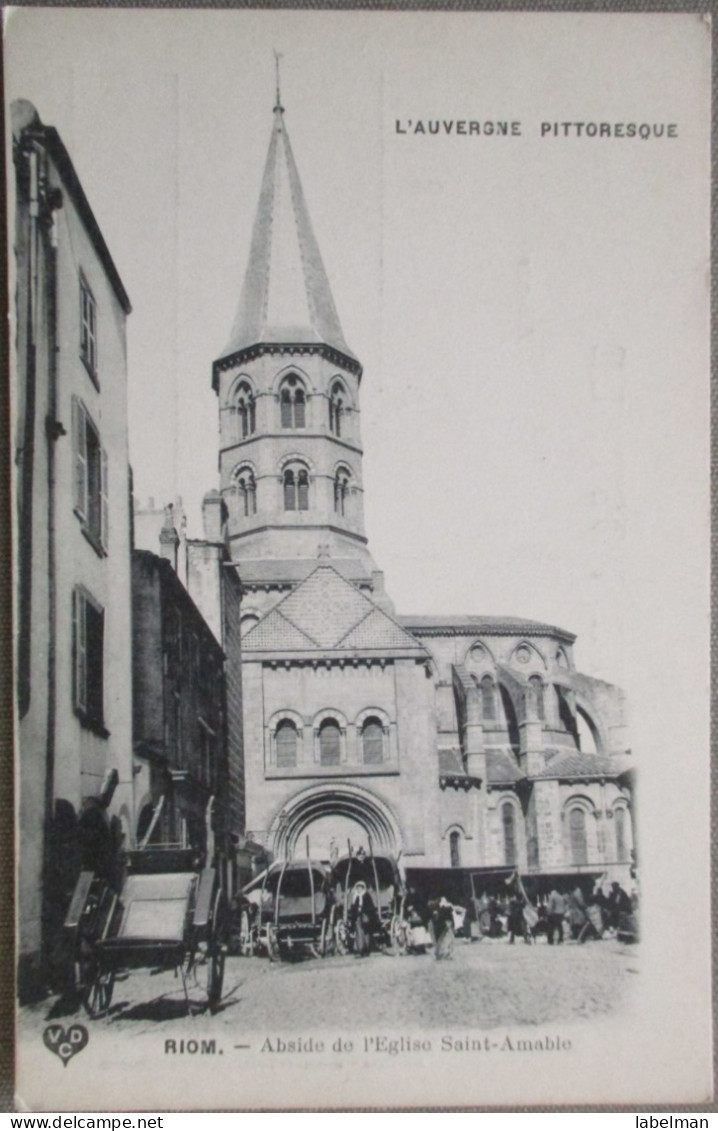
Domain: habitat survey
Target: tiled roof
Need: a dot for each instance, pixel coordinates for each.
(450, 762)
(501, 768)
(578, 765)
(286, 295)
(327, 612)
(476, 625)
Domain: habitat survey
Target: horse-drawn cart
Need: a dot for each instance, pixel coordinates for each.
(170, 915)
(285, 910)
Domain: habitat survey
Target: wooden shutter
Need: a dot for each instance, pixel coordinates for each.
(104, 518)
(79, 640)
(79, 439)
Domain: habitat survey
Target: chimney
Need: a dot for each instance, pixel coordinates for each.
(214, 516)
(169, 538)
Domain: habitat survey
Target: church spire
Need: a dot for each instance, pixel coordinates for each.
(285, 298)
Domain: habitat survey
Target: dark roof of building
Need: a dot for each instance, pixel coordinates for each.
(480, 625)
(328, 613)
(286, 295)
(26, 122)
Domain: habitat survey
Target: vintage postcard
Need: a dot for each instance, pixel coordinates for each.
(360, 431)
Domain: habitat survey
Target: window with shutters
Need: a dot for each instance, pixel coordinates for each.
(286, 744)
(88, 330)
(90, 477)
(372, 737)
(88, 659)
(330, 743)
(455, 849)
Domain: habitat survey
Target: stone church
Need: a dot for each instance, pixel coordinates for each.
(470, 745)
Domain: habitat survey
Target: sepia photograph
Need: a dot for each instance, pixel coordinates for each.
(361, 557)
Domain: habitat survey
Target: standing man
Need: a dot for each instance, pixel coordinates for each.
(556, 912)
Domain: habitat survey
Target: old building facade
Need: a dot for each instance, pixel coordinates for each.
(466, 744)
(73, 661)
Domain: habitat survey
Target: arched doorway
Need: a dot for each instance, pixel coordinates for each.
(339, 812)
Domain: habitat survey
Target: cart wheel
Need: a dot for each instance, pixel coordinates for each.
(98, 993)
(319, 948)
(273, 944)
(246, 937)
(341, 937)
(397, 934)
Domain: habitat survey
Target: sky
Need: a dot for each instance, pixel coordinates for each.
(531, 312)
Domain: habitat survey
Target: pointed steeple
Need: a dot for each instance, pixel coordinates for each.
(285, 298)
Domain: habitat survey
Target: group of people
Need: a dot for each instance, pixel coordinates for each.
(583, 917)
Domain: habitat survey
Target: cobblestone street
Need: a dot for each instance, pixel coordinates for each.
(484, 985)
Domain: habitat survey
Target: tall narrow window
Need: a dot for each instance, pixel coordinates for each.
(455, 849)
(292, 401)
(244, 406)
(290, 491)
(577, 832)
(330, 743)
(508, 821)
(536, 685)
(303, 491)
(341, 491)
(247, 491)
(372, 737)
(619, 818)
(88, 329)
(488, 697)
(286, 744)
(90, 476)
(336, 409)
(88, 656)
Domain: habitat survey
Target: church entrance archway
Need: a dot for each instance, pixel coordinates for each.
(340, 812)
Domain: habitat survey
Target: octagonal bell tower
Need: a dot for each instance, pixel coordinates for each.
(288, 390)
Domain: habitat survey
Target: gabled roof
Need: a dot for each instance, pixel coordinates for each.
(285, 298)
(327, 613)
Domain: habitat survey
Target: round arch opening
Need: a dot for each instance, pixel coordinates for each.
(330, 819)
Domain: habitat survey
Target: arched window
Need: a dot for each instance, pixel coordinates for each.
(455, 849)
(508, 821)
(330, 743)
(488, 698)
(244, 407)
(292, 402)
(336, 409)
(536, 685)
(286, 743)
(247, 491)
(341, 490)
(619, 818)
(372, 737)
(296, 489)
(577, 833)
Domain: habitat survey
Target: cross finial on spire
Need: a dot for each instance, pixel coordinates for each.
(278, 104)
